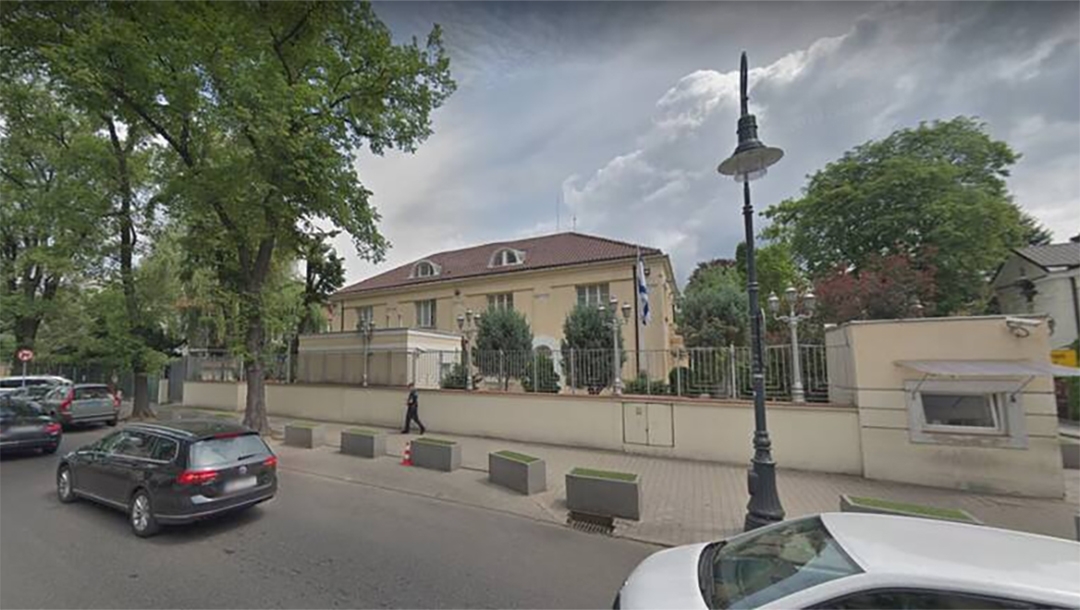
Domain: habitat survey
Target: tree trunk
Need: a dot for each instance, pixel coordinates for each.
(255, 406)
(26, 329)
(255, 334)
(141, 399)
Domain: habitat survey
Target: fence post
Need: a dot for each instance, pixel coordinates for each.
(502, 369)
(573, 380)
(440, 367)
(734, 385)
(678, 378)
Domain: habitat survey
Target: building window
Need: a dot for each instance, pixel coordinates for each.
(501, 301)
(365, 315)
(507, 256)
(425, 269)
(592, 295)
(425, 313)
(962, 413)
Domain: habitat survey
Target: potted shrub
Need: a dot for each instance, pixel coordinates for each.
(436, 454)
(363, 442)
(518, 471)
(858, 504)
(604, 492)
(303, 434)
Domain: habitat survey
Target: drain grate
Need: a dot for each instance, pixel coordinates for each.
(593, 524)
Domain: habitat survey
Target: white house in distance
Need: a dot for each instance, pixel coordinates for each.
(1043, 279)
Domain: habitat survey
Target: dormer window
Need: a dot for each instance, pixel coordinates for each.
(507, 257)
(425, 269)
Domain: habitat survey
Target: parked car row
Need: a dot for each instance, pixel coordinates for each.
(25, 427)
(72, 403)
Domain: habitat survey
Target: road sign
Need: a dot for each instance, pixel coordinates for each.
(1063, 357)
(25, 355)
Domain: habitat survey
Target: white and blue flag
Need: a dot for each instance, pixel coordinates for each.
(642, 291)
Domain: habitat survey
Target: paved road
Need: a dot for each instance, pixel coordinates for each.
(320, 543)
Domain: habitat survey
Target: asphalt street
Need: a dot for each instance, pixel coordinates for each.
(320, 543)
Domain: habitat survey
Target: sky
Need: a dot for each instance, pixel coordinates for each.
(611, 117)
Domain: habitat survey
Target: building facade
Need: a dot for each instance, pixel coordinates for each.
(544, 278)
(1043, 280)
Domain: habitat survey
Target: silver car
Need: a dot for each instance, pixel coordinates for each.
(83, 403)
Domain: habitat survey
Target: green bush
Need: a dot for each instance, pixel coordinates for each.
(642, 385)
(455, 379)
(541, 367)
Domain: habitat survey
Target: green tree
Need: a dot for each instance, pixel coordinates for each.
(713, 310)
(262, 106)
(935, 193)
(50, 220)
(324, 273)
(503, 345)
(587, 347)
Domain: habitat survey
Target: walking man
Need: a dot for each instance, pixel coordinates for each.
(412, 412)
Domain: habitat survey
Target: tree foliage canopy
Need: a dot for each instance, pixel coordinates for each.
(713, 311)
(935, 193)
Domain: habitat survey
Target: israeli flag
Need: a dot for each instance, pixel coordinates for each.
(642, 291)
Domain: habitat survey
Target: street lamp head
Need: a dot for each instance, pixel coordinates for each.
(614, 302)
(477, 318)
(751, 158)
(626, 311)
(461, 321)
(601, 308)
(810, 301)
(790, 294)
(774, 303)
(468, 315)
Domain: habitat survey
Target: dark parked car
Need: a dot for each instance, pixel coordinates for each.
(171, 473)
(25, 427)
(83, 403)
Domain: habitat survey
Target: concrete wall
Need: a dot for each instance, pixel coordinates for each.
(224, 395)
(821, 438)
(395, 357)
(864, 357)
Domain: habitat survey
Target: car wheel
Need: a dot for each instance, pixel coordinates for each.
(65, 485)
(111, 422)
(141, 515)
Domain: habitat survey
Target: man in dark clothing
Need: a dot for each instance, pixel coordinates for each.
(412, 412)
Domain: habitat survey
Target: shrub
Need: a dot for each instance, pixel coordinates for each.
(542, 368)
(455, 379)
(642, 385)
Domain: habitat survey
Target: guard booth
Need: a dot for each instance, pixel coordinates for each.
(964, 402)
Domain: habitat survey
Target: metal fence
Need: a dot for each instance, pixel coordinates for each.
(119, 379)
(700, 372)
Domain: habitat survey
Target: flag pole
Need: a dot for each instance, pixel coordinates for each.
(637, 316)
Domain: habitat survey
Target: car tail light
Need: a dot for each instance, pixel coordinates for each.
(53, 428)
(270, 462)
(229, 434)
(66, 404)
(196, 477)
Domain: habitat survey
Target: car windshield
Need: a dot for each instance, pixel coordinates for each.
(774, 562)
(216, 452)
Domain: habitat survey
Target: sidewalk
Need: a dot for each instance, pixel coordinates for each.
(682, 501)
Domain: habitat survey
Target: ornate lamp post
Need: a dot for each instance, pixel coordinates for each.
(469, 324)
(367, 329)
(616, 322)
(749, 162)
(791, 298)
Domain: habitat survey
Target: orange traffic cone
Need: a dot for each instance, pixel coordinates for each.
(406, 458)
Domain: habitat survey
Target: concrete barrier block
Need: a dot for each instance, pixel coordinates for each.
(436, 454)
(523, 473)
(303, 435)
(853, 504)
(601, 492)
(363, 442)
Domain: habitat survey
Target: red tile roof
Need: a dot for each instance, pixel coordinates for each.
(542, 252)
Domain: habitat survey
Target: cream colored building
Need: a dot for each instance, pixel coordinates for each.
(542, 277)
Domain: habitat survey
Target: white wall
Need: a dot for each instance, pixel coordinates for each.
(821, 437)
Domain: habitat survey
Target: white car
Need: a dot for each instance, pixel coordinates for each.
(853, 560)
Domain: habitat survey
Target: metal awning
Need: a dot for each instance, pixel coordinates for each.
(989, 368)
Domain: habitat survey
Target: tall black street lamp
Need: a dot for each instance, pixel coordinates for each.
(749, 162)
